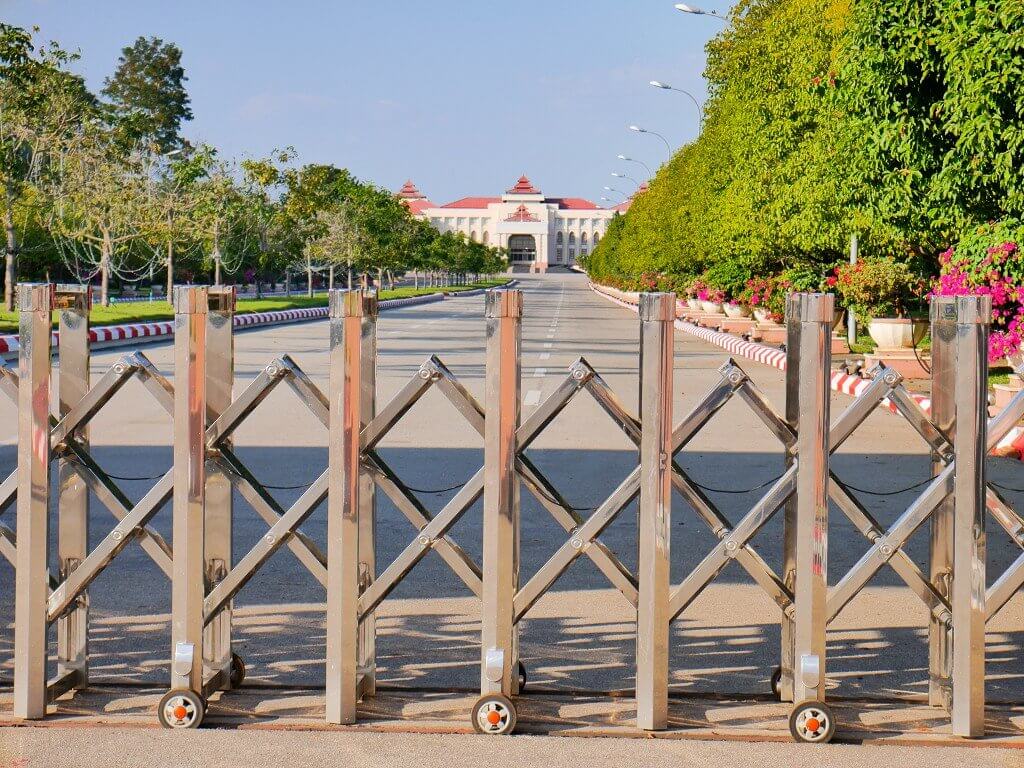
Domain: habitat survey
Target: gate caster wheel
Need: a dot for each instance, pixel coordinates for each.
(812, 722)
(181, 708)
(522, 677)
(237, 671)
(494, 715)
(776, 683)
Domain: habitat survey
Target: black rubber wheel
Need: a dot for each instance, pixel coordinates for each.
(812, 722)
(494, 715)
(237, 671)
(776, 683)
(522, 677)
(181, 708)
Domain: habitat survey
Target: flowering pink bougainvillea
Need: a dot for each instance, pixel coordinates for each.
(994, 271)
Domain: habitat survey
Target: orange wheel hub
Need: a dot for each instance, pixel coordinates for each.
(180, 712)
(493, 717)
(812, 724)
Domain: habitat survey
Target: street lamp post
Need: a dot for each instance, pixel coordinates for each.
(638, 162)
(638, 129)
(700, 11)
(667, 87)
(618, 192)
(625, 176)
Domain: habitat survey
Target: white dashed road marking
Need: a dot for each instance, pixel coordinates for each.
(532, 397)
(540, 373)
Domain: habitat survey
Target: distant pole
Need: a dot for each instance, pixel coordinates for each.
(851, 320)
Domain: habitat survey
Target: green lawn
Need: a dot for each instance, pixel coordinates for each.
(151, 311)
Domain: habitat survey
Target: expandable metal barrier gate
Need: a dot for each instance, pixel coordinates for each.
(205, 576)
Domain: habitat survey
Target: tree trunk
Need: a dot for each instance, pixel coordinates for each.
(349, 273)
(330, 278)
(105, 271)
(287, 282)
(11, 268)
(309, 280)
(170, 271)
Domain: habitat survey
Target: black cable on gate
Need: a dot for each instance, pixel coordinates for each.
(765, 484)
(436, 490)
(141, 477)
(286, 487)
(562, 504)
(1002, 487)
(897, 492)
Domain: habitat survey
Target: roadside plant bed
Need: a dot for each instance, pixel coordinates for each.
(153, 311)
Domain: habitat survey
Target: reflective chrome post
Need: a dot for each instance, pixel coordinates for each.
(220, 373)
(188, 583)
(367, 665)
(789, 521)
(499, 647)
(973, 317)
(73, 303)
(347, 310)
(811, 585)
(31, 578)
(940, 635)
(657, 315)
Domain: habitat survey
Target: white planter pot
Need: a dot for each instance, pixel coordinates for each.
(737, 310)
(711, 307)
(763, 316)
(897, 332)
(837, 317)
(693, 303)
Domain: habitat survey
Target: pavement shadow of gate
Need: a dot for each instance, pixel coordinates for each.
(577, 638)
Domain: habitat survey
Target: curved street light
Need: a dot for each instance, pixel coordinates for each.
(638, 129)
(625, 176)
(638, 162)
(618, 192)
(700, 11)
(667, 87)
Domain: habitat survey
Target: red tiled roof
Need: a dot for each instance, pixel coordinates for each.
(523, 187)
(418, 205)
(572, 203)
(472, 202)
(409, 190)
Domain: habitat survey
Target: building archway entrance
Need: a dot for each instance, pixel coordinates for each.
(522, 248)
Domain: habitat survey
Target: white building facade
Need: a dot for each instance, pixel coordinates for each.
(538, 231)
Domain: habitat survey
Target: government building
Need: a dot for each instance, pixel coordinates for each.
(537, 231)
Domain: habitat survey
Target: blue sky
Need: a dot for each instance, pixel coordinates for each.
(462, 97)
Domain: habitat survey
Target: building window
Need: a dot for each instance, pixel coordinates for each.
(487, 238)
(558, 254)
(472, 235)
(558, 239)
(597, 238)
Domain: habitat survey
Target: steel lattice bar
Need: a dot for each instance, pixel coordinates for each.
(885, 547)
(455, 556)
(310, 394)
(400, 404)
(8, 544)
(732, 379)
(254, 394)
(8, 490)
(302, 546)
(906, 568)
(719, 557)
(1005, 515)
(1004, 588)
(128, 527)
(605, 560)
(271, 541)
(423, 543)
(154, 382)
(863, 406)
(553, 404)
(769, 416)
(1004, 421)
(583, 537)
(613, 406)
(109, 385)
(460, 398)
(919, 420)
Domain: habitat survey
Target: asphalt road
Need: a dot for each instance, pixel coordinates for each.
(578, 637)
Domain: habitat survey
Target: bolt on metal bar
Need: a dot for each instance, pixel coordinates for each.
(189, 481)
(32, 583)
(968, 599)
(499, 645)
(940, 538)
(347, 312)
(73, 304)
(657, 316)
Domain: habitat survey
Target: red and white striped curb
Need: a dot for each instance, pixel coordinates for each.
(109, 333)
(776, 358)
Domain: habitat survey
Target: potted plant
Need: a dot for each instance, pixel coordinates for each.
(735, 308)
(711, 300)
(884, 291)
(692, 290)
(766, 296)
(812, 278)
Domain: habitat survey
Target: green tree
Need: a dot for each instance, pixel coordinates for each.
(147, 94)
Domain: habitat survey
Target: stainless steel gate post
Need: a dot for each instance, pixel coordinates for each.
(347, 317)
(220, 372)
(73, 303)
(499, 647)
(973, 317)
(188, 582)
(657, 315)
(32, 584)
(367, 664)
(940, 637)
(811, 585)
(784, 675)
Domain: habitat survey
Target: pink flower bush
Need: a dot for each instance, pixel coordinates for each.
(989, 270)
